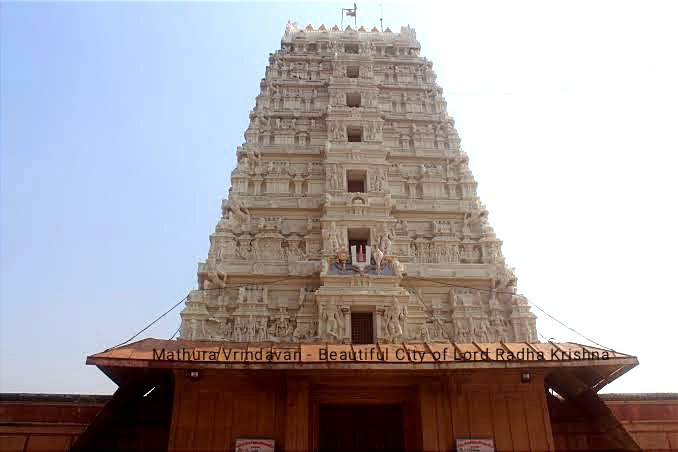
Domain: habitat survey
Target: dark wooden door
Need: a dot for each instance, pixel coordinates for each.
(362, 328)
(361, 427)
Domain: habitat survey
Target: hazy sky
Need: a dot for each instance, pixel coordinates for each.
(119, 125)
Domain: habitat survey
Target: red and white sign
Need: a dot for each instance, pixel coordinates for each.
(475, 445)
(254, 445)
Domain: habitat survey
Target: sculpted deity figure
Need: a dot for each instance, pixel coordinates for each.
(339, 69)
(385, 237)
(491, 252)
(438, 331)
(402, 226)
(238, 330)
(424, 333)
(234, 210)
(454, 300)
(483, 331)
(261, 332)
(394, 320)
(302, 297)
(300, 332)
(378, 180)
(451, 172)
(338, 131)
(333, 238)
(242, 295)
(506, 281)
(253, 157)
(332, 323)
(473, 217)
(372, 100)
(271, 329)
(378, 257)
(498, 329)
(334, 180)
(326, 199)
(385, 243)
(214, 280)
(228, 330)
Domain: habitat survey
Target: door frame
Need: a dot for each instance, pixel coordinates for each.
(368, 394)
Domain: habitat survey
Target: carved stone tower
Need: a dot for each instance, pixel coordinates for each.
(352, 214)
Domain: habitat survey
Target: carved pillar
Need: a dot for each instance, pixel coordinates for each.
(378, 318)
(451, 189)
(258, 180)
(298, 182)
(346, 312)
(412, 188)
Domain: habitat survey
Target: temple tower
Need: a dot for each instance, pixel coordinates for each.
(353, 215)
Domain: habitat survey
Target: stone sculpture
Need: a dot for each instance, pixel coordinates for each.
(278, 267)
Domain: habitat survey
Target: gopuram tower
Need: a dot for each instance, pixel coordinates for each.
(353, 215)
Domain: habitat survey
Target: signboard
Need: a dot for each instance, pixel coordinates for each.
(254, 445)
(475, 445)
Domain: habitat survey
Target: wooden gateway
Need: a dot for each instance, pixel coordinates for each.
(188, 395)
(354, 295)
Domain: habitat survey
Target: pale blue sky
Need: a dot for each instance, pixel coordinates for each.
(118, 130)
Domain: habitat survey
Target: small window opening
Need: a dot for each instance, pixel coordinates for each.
(353, 100)
(359, 238)
(355, 181)
(351, 48)
(362, 328)
(354, 134)
(352, 71)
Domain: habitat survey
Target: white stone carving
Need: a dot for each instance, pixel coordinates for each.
(279, 266)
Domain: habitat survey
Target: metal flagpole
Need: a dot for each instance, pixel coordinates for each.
(350, 12)
(381, 17)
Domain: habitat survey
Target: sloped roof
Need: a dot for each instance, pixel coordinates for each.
(600, 366)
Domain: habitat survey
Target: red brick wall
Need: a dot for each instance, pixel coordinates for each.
(42, 422)
(652, 419)
(45, 422)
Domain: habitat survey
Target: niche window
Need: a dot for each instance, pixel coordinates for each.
(353, 100)
(354, 134)
(351, 48)
(358, 237)
(352, 71)
(356, 181)
(362, 328)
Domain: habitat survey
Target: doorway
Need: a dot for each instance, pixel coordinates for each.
(362, 328)
(361, 427)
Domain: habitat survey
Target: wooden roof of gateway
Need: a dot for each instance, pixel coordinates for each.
(596, 366)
